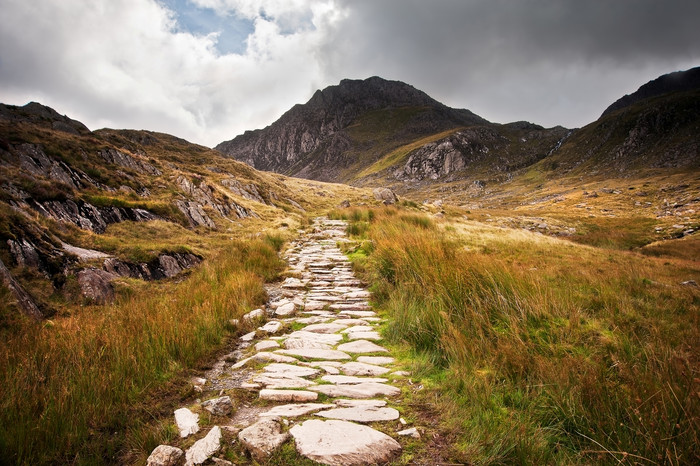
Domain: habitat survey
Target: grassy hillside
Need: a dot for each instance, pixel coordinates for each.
(536, 349)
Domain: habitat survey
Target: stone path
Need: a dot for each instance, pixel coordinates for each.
(316, 364)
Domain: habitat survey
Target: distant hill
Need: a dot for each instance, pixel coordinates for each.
(679, 81)
(378, 132)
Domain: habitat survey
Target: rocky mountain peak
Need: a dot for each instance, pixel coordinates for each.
(312, 140)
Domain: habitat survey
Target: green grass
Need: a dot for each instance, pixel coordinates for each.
(69, 384)
(541, 350)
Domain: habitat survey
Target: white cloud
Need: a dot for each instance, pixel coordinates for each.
(121, 63)
(128, 63)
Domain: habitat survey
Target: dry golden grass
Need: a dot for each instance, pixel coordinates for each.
(550, 351)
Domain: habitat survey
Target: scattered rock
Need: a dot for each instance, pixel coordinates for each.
(385, 195)
(286, 309)
(165, 455)
(187, 422)
(273, 327)
(254, 314)
(412, 432)
(343, 443)
(262, 438)
(219, 406)
(345, 204)
(205, 448)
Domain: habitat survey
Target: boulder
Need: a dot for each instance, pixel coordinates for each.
(165, 455)
(187, 422)
(262, 438)
(96, 285)
(385, 195)
(219, 406)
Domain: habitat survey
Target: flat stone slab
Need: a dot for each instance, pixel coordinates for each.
(357, 328)
(362, 346)
(287, 395)
(361, 368)
(324, 328)
(313, 320)
(262, 438)
(266, 345)
(205, 448)
(379, 360)
(273, 357)
(361, 414)
(329, 339)
(297, 409)
(285, 309)
(187, 422)
(354, 403)
(360, 390)
(282, 381)
(314, 305)
(358, 313)
(291, 369)
(365, 336)
(272, 326)
(297, 343)
(338, 442)
(312, 353)
(351, 321)
(350, 379)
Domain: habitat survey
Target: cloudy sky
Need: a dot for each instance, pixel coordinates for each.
(206, 70)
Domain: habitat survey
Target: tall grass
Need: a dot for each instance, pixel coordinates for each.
(550, 352)
(67, 385)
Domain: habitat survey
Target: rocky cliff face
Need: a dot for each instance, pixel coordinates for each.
(311, 139)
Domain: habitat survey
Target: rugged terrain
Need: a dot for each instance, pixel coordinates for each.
(416, 145)
(538, 288)
(72, 203)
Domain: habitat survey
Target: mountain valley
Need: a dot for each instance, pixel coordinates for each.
(537, 288)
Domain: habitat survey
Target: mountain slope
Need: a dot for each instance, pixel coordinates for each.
(80, 208)
(679, 81)
(323, 138)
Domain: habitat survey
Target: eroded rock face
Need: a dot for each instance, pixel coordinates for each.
(89, 217)
(310, 140)
(129, 161)
(96, 285)
(163, 266)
